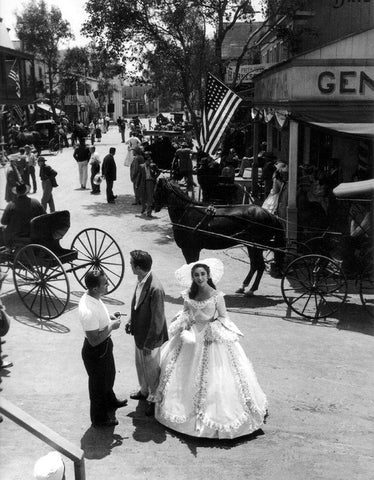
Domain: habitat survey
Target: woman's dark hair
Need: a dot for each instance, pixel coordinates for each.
(194, 288)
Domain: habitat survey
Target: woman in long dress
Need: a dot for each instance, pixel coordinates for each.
(276, 196)
(207, 386)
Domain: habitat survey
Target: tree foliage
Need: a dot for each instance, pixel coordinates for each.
(41, 30)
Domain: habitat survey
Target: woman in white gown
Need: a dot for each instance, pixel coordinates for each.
(207, 386)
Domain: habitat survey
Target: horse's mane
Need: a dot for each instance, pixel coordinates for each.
(179, 192)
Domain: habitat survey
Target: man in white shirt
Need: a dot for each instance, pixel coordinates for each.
(97, 351)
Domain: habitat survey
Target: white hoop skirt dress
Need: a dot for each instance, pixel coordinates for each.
(208, 387)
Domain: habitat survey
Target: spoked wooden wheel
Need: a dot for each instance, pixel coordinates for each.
(97, 250)
(314, 286)
(53, 147)
(41, 281)
(367, 289)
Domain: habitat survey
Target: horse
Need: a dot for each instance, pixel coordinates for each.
(197, 226)
(28, 138)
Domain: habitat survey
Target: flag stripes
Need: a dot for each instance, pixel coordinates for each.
(220, 105)
(13, 75)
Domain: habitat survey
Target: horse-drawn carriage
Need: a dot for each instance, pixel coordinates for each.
(40, 265)
(314, 281)
(52, 137)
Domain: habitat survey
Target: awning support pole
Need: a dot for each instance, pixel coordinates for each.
(291, 230)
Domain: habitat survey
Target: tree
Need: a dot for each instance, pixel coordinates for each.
(164, 33)
(41, 31)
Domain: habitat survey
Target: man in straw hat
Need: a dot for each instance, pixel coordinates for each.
(18, 214)
(50, 467)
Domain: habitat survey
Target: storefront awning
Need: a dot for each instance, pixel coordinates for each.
(362, 129)
(47, 108)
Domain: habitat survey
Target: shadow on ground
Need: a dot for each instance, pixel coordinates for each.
(146, 429)
(19, 313)
(165, 231)
(98, 443)
(254, 301)
(121, 207)
(350, 317)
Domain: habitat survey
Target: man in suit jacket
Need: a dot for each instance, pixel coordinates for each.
(148, 325)
(109, 171)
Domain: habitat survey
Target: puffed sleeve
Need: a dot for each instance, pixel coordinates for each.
(182, 320)
(223, 317)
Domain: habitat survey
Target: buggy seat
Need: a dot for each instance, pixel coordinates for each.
(48, 229)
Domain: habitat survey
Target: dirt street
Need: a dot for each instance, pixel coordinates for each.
(319, 379)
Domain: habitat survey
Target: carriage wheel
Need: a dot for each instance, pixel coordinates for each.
(53, 147)
(367, 289)
(41, 281)
(314, 286)
(97, 250)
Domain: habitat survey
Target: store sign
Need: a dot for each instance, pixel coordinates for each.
(346, 81)
(317, 83)
(245, 74)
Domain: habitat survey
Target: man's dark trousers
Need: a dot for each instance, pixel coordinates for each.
(109, 190)
(100, 367)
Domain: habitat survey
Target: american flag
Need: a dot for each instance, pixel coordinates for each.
(13, 75)
(220, 105)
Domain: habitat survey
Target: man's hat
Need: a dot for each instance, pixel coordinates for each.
(41, 159)
(97, 179)
(21, 189)
(27, 146)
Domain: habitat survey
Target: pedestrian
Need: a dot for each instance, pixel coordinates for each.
(95, 170)
(48, 178)
(278, 190)
(99, 129)
(18, 215)
(132, 142)
(97, 351)
(182, 163)
(82, 155)
(207, 386)
(31, 163)
(109, 171)
(146, 181)
(135, 172)
(122, 128)
(107, 122)
(49, 467)
(14, 174)
(92, 131)
(4, 329)
(268, 171)
(148, 326)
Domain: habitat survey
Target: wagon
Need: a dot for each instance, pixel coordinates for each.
(315, 285)
(40, 265)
